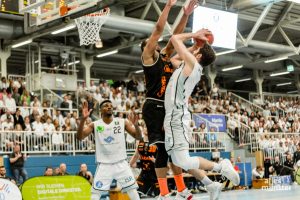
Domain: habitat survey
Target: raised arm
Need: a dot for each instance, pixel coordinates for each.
(187, 11)
(132, 127)
(149, 54)
(84, 132)
(177, 60)
(183, 52)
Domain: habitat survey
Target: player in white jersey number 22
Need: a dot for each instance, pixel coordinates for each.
(110, 149)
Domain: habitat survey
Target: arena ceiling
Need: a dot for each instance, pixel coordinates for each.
(266, 29)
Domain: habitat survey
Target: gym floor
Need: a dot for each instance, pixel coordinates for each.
(254, 194)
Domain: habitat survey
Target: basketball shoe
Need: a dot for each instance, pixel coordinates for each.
(228, 171)
(214, 190)
(166, 197)
(184, 195)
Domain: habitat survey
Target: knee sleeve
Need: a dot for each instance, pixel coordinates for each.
(161, 160)
(184, 160)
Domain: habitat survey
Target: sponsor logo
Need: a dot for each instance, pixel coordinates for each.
(99, 184)
(128, 179)
(109, 139)
(100, 129)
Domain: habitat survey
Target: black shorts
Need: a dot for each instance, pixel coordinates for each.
(154, 115)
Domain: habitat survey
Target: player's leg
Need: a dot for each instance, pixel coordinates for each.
(125, 178)
(153, 115)
(182, 159)
(102, 180)
(182, 191)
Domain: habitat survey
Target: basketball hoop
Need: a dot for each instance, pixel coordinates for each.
(89, 27)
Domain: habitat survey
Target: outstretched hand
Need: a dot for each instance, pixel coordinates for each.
(85, 110)
(133, 118)
(171, 2)
(190, 7)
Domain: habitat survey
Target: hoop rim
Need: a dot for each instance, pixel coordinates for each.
(102, 12)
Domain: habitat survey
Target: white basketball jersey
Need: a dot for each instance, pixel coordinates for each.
(177, 118)
(110, 141)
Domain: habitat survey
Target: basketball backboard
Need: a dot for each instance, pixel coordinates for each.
(44, 11)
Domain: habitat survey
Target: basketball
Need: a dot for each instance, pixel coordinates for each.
(210, 41)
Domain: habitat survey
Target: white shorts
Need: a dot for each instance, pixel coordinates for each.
(120, 171)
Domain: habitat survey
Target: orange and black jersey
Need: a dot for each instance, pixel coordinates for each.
(146, 152)
(157, 77)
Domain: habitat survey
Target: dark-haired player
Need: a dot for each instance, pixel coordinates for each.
(111, 154)
(158, 70)
(177, 119)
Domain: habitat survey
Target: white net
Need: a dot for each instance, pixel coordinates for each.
(89, 26)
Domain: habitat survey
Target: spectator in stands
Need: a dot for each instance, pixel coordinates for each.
(17, 160)
(85, 173)
(16, 96)
(63, 169)
(3, 175)
(59, 117)
(48, 171)
(18, 136)
(65, 106)
(296, 156)
(67, 126)
(35, 101)
(74, 117)
(8, 124)
(49, 127)
(38, 134)
(70, 103)
(10, 104)
(18, 119)
(257, 173)
(45, 116)
(25, 97)
(276, 167)
(93, 87)
(57, 140)
(289, 166)
(91, 103)
(3, 83)
(56, 171)
(97, 95)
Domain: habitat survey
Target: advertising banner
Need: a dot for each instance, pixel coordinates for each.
(56, 187)
(217, 123)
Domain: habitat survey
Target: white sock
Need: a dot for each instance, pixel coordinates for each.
(133, 194)
(217, 167)
(206, 181)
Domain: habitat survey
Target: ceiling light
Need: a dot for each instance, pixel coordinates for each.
(279, 73)
(295, 1)
(138, 71)
(63, 29)
(242, 80)
(291, 92)
(37, 61)
(21, 43)
(107, 53)
(276, 59)
(225, 52)
(99, 44)
(72, 63)
(232, 68)
(282, 84)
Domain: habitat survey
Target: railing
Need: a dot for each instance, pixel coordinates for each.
(271, 146)
(245, 102)
(241, 133)
(207, 141)
(65, 142)
(15, 77)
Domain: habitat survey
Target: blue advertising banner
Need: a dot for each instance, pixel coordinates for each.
(215, 122)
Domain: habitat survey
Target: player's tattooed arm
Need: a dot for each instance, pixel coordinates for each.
(81, 131)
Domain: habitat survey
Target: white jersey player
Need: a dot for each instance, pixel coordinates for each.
(110, 149)
(178, 117)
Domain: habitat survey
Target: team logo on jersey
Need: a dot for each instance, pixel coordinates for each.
(99, 184)
(109, 139)
(100, 129)
(117, 123)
